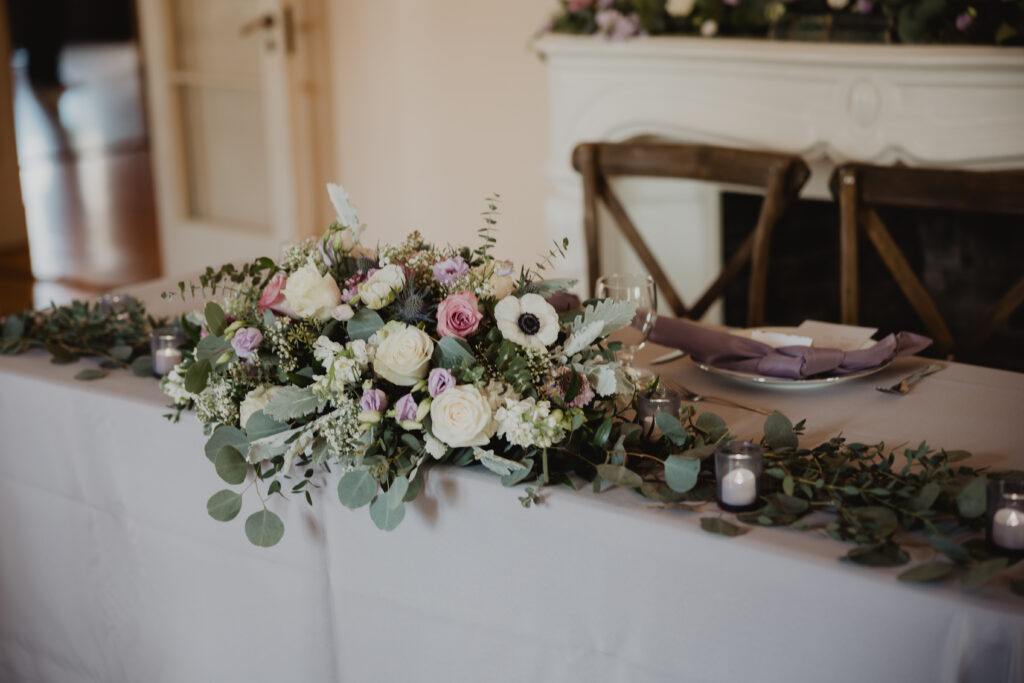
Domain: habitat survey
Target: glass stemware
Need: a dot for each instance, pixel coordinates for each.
(639, 289)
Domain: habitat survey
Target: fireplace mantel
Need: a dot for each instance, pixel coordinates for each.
(947, 106)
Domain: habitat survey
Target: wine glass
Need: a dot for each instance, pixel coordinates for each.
(639, 289)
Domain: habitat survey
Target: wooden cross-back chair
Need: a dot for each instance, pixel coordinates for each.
(781, 176)
(860, 187)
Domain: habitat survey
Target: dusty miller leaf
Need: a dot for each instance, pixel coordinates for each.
(290, 403)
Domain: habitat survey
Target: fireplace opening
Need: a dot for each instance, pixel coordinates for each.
(966, 261)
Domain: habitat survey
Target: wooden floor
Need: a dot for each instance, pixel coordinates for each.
(86, 182)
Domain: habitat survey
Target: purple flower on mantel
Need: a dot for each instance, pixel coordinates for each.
(865, 6)
(964, 21)
(245, 341)
(447, 272)
(439, 381)
(617, 26)
(373, 399)
(405, 409)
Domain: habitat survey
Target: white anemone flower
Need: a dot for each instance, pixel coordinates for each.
(528, 320)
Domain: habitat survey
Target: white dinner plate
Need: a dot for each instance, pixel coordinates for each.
(782, 382)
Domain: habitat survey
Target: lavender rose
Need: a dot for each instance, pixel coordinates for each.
(458, 315)
(439, 380)
(373, 399)
(447, 272)
(405, 409)
(245, 341)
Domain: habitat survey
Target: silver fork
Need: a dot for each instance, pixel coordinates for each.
(694, 397)
(907, 383)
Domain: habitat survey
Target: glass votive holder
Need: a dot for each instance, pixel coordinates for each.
(1004, 518)
(115, 303)
(163, 344)
(738, 472)
(649, 404)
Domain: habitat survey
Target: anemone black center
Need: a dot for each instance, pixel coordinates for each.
(529, 323)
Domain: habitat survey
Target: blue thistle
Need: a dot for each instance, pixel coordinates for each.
(413, 305)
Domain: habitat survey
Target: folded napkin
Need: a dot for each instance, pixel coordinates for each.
(564, 301)
(731, 352)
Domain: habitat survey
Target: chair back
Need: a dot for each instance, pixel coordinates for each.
(860, 188)
(781, 177)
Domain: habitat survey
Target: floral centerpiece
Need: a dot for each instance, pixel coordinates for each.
(380, 361)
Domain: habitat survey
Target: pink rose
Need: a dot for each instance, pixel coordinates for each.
(273, 293)
(458, 315)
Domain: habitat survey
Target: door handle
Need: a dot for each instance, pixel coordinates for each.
(262, 22)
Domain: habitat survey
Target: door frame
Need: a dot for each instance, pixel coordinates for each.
(306, 114)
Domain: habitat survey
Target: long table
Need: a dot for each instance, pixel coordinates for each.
(111, 570)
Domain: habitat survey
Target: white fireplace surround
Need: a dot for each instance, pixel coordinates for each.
(946, 106)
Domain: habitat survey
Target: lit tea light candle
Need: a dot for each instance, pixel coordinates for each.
(163, 344)
(164, 361)
(739, 487)
(648, 405)
(1008, 529)
(738, 471)
(1004, 503)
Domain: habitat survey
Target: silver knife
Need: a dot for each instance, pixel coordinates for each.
(671, 355)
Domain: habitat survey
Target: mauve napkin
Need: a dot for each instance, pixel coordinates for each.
(564, 301)
(730, 352)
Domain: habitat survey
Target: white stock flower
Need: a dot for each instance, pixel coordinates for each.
(403, 354)
(528, 320)
(680, 8)
(255, 401)
(380, 288)
(312, 295)
(461, 416)
(324, 350)
(529, 423)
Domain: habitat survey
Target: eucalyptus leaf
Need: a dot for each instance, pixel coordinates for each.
(712, 425)
(216, 320)
(143, 366)
(415, 486)
(13, 328)
(885, 555)
(261, 425)
(984, 572)
(927, 572)
(121, 352)
(264, 528)
(656, 490)
(971, 499)
(396, 492)
(681, 473)
(452, 352)
(90, 374)
(779, 433)
(717, 525)
(226, 436)
(787, 504)
(224, 505)
(671, 427)
(364, 324)
(197, 375)
(617, 474)
(926, 497)
(230, 465)
(950, 549)
(356, 489)
(210, 347)
(384, 515)
(603, 432)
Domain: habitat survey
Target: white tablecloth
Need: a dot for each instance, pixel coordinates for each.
(111, 570)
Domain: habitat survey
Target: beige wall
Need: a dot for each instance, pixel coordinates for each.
(438, 104)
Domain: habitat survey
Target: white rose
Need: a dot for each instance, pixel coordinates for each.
(709, 28)
(403, 354)
(312, 295)
(255, 401)
(380, 288)
(461, 416)
(680, 8)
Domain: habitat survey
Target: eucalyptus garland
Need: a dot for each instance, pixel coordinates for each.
(120, 339)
